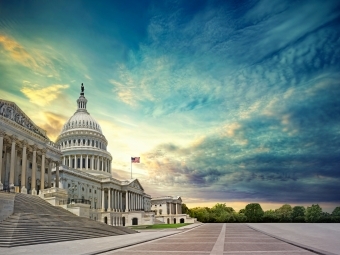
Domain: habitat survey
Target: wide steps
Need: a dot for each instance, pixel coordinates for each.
(35, 221)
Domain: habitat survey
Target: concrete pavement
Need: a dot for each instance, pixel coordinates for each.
(323, 238)
(212, 239)
(215, 239)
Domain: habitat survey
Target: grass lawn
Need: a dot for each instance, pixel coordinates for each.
(158, 226)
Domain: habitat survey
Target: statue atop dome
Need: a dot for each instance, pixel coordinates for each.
(82, 89)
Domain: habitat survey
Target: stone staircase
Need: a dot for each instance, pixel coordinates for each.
(156, 221)
(35, 221)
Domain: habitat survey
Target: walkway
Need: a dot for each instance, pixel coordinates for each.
(205, 239)
(215, 239)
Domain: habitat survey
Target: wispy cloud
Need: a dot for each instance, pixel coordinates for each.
(42, 96)
(53, 124)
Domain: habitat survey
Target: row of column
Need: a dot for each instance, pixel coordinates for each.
(134, 201)
(14, 154)
(117, 221)
(174, 208)
(114, 200)
(91, 162)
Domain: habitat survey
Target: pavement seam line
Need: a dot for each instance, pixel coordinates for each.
(218, 248)
(302, 246)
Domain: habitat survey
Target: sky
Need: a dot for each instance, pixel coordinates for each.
(230, 102)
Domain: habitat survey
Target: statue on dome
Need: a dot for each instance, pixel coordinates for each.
(82, 88)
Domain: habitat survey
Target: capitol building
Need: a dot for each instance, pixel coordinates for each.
(74, 172)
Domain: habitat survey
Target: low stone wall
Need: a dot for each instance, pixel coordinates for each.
(6, 205)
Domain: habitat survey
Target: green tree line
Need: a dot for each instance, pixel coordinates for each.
(254, 213)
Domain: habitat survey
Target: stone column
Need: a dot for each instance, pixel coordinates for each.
(109, 200)
(117, 200)
(57, 174)
(69, 161)
(11, 173)
(2, 134)
(64, 160)
(133, 201)
(114, 200)
(23, 168)
(87, 162)
(49, 175)
(137, 206)
(102, 164)
(98, 163)
(103, 201)
(92, 162)
(34, 171)
(75, 162)
(42, 177)
(17, 167)
(81, 162)
(127, 201)
(121, 201)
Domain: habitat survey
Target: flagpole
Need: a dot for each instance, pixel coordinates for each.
(131, 166)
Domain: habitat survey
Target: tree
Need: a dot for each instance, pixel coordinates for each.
(336, 214)
(313, 213)
(325, 217)
(254, 212)
(270, 216)
(298, 214)
(201, 213)
(221, 213)
(284, 213)
(185, 209)
(240, 217)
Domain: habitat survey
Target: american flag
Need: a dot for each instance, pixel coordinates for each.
(135, 159)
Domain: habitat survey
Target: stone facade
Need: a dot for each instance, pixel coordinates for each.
(168, 210)
(74, 172)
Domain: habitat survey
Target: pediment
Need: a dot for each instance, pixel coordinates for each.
(11, 111)
(135, 184)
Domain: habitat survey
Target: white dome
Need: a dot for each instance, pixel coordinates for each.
(81, 120)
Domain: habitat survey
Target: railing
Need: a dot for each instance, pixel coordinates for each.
(78, 201)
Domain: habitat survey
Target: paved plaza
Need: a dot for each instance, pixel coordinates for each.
(236, 239)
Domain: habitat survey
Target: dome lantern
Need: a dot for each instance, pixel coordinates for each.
(82, 101)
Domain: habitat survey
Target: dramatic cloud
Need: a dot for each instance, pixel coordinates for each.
(223, 100)
(42, 96)
(53, 124)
